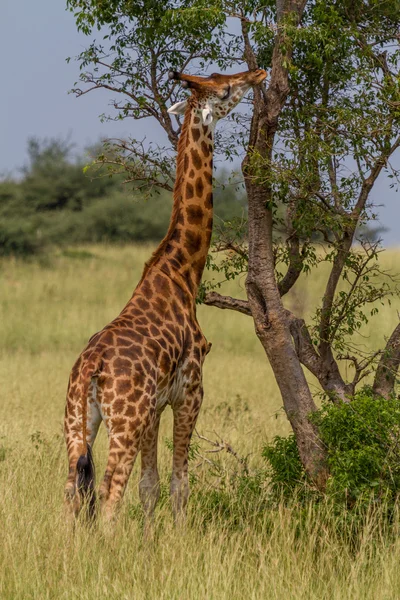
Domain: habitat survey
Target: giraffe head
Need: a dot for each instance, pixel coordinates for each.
(215, 96)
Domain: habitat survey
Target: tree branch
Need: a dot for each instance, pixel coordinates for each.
(344, 249)
(219, 301)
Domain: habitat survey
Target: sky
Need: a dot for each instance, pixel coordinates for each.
(35, 40)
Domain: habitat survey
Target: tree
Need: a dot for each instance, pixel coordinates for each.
(315, 139)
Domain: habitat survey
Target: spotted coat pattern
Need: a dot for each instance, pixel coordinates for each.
(152, 354)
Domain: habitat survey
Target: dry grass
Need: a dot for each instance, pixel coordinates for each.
(47, 312)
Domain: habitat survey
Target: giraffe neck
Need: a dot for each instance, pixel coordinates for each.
(182, 253)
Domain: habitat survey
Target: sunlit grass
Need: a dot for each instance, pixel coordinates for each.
(48, 311)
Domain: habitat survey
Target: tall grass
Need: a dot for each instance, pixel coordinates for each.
(232, 547)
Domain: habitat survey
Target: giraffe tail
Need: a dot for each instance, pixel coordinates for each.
(86, 480)
(85, 465)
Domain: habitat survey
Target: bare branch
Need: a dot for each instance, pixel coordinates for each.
(223, 446)
(219, 301)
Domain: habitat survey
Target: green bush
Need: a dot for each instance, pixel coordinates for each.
(286, 472)
(362, 438)
(56, 203)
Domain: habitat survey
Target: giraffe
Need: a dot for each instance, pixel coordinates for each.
(152, 354)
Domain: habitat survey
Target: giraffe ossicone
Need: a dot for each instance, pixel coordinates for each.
(152, 353)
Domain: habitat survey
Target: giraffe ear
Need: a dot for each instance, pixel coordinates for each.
(207, 114)
(178, 109)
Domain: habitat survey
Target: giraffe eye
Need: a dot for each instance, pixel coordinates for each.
(226, 93)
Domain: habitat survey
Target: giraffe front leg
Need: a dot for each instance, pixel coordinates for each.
(185, 416)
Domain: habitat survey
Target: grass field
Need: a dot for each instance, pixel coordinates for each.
(48, 310)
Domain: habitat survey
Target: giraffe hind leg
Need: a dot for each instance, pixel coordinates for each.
(127, 428)
(185, 416)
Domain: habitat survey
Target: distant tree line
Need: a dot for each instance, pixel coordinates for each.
(58, 200)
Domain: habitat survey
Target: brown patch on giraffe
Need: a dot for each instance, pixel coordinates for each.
(196, 120)
(163, 343)
(125, 342)
(208, 177)
(191, 286)
(178, 260)
(195, 134)
(192, 173)
(194, 214)
(142, 408)
(185, 163)
(177, 311)
(193, 242)
(155, 319)
(168, 337)
(119, 405)
(166, 269)
(160, 306)
(142, 330)
(176, 235)
(146, 290)
(130, 410)
(198, 268)
(174, 330)
(195, 158)
(208, 202)
(134, 424)
(146, 365)
(143, 304)
(139, 377)
(205, 148)
(123, 386)
(142, 320)
(135, 396)
(161, 286)
(122, 364)
(108, 397)
(118, 425)
(198, 336)
(133, 352)
(165, 362)
(189, 191)
(199, 187)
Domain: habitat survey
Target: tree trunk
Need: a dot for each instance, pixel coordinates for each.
(273, 331)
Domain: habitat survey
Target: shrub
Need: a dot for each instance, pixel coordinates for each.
(363, 446)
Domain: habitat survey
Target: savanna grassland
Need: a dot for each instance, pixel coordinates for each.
(235, 545)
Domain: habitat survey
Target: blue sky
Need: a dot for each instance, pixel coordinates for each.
(35, 39)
